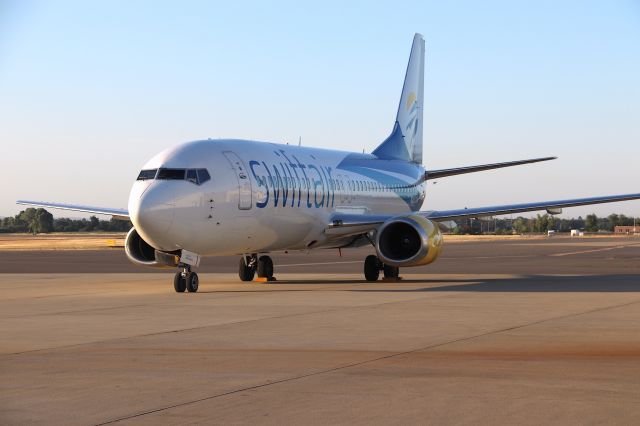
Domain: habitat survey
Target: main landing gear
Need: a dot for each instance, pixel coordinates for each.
(373, 266)
(185, 280)
(249, 265)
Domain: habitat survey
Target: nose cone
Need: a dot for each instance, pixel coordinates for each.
(151, 208)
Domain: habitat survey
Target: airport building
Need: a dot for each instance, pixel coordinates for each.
(627, 229)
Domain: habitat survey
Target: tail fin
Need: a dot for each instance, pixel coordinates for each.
(405, 141)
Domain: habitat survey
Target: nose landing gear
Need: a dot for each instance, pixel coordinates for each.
(373, 266)
(185, 280)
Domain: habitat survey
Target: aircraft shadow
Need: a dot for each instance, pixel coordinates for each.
(532, 284)
(627, 283)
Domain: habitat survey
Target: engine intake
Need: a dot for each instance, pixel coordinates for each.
(408, 241)
(141, 253)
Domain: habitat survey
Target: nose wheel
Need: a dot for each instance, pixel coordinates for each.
(373, 266)
(192, 282)
(179, 283)
(186, 280)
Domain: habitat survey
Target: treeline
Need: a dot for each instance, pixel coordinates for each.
(38, 221)
(542, 224)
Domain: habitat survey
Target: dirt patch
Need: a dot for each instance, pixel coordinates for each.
(84, 241)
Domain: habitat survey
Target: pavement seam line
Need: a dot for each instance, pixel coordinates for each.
(572, 253)
(359, 363)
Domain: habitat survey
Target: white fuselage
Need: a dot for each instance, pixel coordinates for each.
(265, 197)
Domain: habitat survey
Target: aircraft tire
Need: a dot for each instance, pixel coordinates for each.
(265, 267)
(192, 282)
(371, 268)
(246, 273)
(179, 283)
(391, 271)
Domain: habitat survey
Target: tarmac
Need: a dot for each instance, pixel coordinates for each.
(518, 331)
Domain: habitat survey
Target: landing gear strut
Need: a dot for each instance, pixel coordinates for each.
(185, 280)
(373, 266)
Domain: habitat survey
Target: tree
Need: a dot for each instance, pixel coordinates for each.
(541, 223)
(624, 220)
(44, 221)
(591, 223)
(12, 224)
(520, 225)
(36, 220)
(28, 217)
(94, 223)
(40, 220)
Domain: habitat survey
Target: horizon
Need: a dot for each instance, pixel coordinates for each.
(91, 91)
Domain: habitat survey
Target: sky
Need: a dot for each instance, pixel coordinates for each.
(90, 90)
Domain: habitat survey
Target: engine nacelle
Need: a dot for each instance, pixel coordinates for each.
(141, 253)
(408, 241)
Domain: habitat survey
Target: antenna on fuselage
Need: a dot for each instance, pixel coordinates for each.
(299, 140)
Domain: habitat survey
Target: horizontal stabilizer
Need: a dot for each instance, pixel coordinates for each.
(436, 174)
(120, 214)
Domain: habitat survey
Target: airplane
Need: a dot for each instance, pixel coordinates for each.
(249, 198)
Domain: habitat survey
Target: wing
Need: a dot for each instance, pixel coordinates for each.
(436, 174)
(553, 207)
(354, 224)
(120, 214)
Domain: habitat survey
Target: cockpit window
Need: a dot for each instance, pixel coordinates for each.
(192, 176)
(171, 174)
(197, 176)
(147, 174)
(203, 176)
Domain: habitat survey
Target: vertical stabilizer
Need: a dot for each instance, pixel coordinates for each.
(405, 141)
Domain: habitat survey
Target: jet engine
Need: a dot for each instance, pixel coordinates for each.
(408, 241)
(141, 253)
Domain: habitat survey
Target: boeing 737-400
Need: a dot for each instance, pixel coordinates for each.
(249, 198)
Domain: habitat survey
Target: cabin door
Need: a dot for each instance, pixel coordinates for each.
(242, 176)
